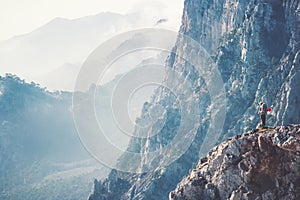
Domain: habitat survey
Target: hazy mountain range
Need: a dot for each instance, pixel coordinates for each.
(39, 145)
(52, 54)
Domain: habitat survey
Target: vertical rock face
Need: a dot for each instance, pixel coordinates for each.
(249, 166)
(255, 45)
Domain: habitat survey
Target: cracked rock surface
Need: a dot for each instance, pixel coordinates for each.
(255, 165)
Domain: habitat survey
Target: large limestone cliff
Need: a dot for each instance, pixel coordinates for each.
(255, 45)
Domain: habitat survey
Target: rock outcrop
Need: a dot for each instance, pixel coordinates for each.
(253, 165)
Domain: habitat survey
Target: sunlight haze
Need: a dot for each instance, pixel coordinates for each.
(21, 17)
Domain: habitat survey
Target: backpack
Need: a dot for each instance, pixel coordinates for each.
(264, 108)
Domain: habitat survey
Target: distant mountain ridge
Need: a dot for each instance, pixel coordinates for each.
(58, 42)
(40, 153)
(61, 42)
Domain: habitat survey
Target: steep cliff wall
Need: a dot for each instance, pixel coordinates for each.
(255, 45)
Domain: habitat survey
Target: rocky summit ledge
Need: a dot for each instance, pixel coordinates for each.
(262, 164)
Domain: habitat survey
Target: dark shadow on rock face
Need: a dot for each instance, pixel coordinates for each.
(261, 183)
(275, 37)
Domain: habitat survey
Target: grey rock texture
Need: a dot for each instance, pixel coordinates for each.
(261, 165)
(255, 45)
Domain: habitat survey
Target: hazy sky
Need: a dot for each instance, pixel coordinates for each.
(20, 17)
